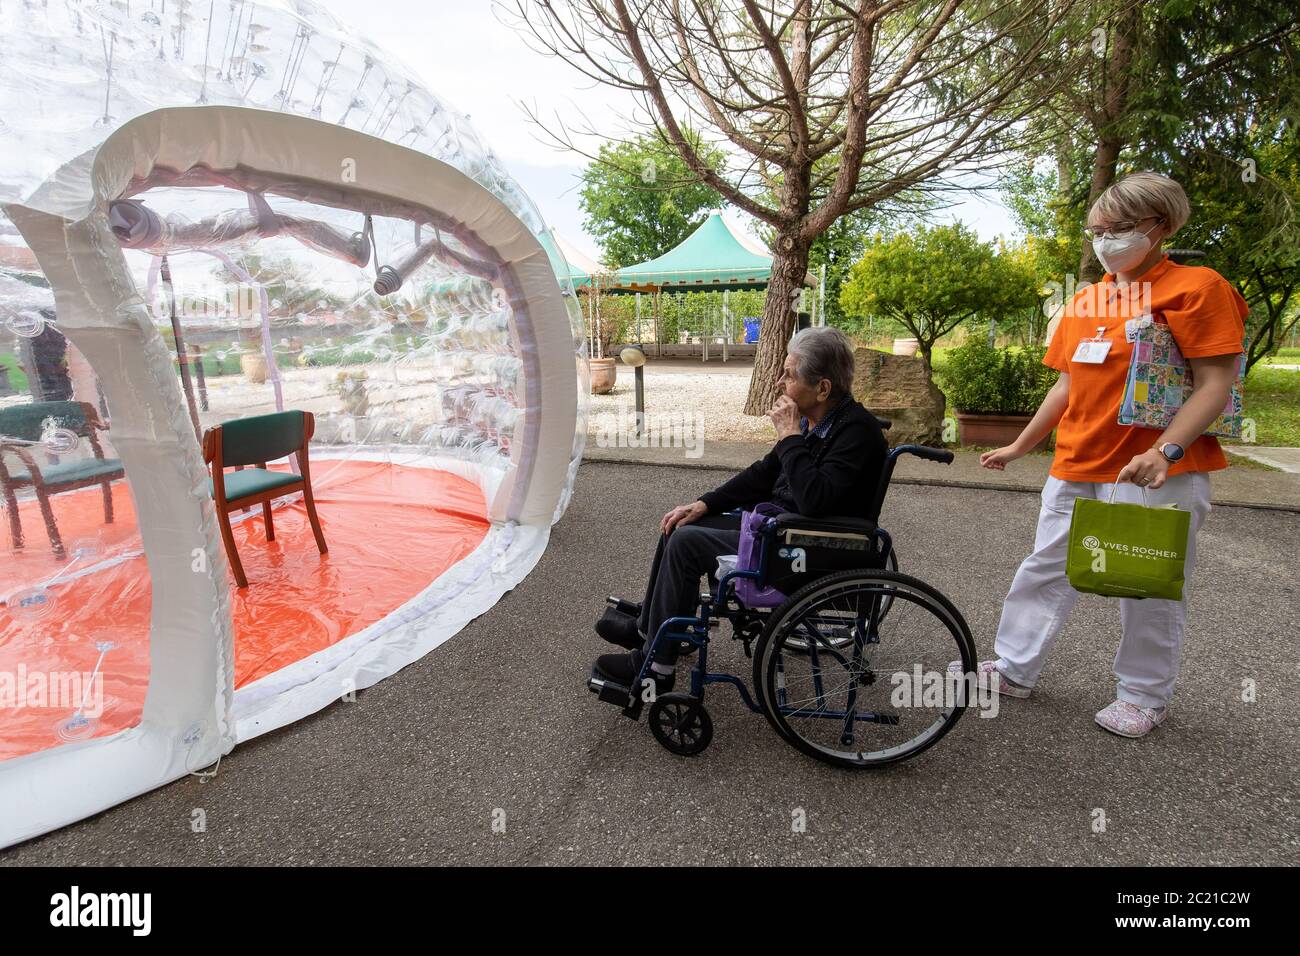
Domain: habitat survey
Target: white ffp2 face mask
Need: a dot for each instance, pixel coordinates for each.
(1116, 255)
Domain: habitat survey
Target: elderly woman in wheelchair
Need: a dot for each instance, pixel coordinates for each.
(803, 570)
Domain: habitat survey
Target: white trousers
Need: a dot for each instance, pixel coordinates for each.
(1040, 598)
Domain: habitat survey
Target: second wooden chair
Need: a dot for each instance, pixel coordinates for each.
(255, 441)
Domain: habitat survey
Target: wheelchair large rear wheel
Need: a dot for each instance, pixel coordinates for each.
(850, 686)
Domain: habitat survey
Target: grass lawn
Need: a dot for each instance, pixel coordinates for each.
(17, 378)
(1273, 400)
(1241, 461)
(1283, 357)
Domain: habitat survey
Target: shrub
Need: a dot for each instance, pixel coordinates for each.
(983, 380)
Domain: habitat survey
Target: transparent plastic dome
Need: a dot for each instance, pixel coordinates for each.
(222, 210)
(72, 72)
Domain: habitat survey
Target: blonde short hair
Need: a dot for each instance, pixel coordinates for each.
(1140, 196)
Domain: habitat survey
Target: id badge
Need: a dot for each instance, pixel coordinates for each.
(1092, 351)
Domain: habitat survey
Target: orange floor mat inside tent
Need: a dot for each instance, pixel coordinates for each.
(391, 531)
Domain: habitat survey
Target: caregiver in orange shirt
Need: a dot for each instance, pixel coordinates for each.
(1127, 224)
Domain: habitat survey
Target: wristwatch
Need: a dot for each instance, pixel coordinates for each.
(1171, 452)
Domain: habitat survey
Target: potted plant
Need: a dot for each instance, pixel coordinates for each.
(602, 332)
(995, 391)
(252, 361)
(351, 388)
(604, 373)
(253, 365)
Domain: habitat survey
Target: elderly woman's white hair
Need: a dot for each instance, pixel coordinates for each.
(1140, 196)
(823, 352)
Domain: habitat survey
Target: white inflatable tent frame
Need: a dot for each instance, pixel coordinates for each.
(191, 714)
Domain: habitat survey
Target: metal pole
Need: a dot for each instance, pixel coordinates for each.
(726, 323)
(182, 359)
(640, 398)
(198, 372)
(659, 347)
(705, 336)
(821, 298)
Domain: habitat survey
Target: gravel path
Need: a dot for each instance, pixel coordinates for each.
(685, 392)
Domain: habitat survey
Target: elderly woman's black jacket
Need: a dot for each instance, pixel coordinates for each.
(817, 477)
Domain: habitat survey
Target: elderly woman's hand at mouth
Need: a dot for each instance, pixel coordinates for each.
(785, 416)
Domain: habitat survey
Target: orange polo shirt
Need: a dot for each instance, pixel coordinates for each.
(1207, 317)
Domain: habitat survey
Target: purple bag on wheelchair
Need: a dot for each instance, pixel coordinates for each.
(750, 555)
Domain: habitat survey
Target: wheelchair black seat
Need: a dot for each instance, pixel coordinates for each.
(799, 549)
(834, 524)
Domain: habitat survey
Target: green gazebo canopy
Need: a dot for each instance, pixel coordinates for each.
(713, 257)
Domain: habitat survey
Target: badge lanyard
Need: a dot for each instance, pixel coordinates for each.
(1093, 351)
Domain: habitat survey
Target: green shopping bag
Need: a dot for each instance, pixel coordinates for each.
(1123, 550)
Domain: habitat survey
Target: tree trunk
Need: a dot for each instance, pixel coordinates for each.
(789, 268)
(1104, 163)
(1063, 184)
(1275, 328)
(1113, 106)
(926, 348)
(47, 363)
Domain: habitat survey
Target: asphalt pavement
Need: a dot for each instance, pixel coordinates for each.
(491, 750)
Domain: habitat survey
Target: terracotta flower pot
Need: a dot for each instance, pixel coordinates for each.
(253, 365)
(993, 431)
(604, 372)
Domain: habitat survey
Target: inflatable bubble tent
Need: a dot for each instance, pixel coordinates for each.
(213, 211)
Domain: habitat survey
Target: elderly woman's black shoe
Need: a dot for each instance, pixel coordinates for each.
(623, 668)
(619, 628)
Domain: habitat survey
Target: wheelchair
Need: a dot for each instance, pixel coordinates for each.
(849, 656)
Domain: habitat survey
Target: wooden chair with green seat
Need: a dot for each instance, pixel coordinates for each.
(22, 428)
(255, 441)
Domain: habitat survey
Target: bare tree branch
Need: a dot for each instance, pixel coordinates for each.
(824, 107)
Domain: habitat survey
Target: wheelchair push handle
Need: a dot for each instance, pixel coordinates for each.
(941, 455)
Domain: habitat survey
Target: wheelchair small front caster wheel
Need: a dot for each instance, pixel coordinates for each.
(681, 724)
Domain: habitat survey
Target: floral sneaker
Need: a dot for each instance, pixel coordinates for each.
(1130, 720)
(990, 676)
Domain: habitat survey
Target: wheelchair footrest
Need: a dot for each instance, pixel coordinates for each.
(624, 607)
(618, 694)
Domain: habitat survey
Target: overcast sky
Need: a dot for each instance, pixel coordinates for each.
(481, 66)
